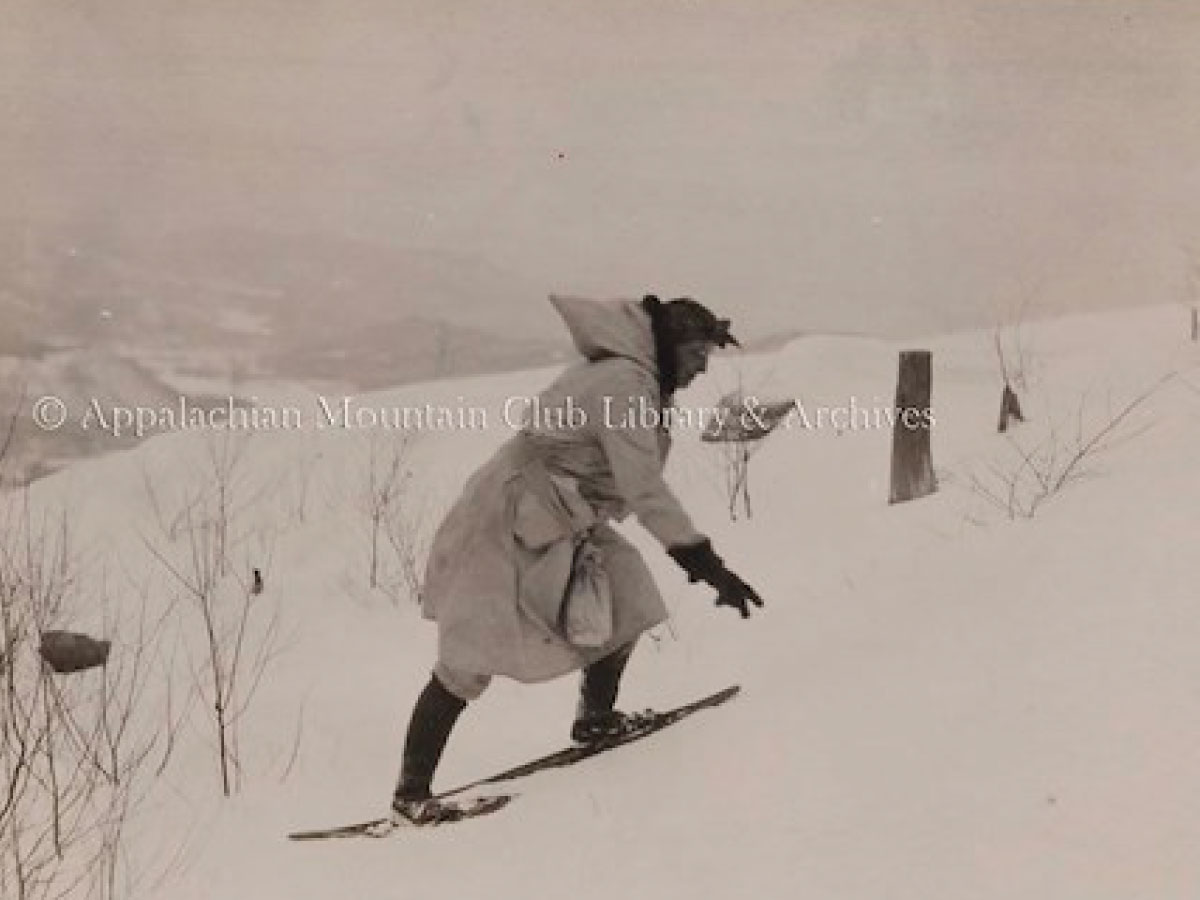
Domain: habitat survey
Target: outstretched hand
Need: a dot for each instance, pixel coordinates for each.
(733, 592)
(701, 563)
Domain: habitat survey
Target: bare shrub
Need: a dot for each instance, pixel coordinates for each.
(1037, 469)
(73, 746)
(1013, 354)
(738, 434)
(298, 486)
(409, 537)
(396, 534)
(236, 625)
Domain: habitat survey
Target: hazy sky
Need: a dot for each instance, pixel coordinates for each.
(869, 164)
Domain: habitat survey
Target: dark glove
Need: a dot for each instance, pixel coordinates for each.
(736, 593)
(701, 563)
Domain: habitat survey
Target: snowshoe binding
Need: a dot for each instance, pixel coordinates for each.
(426, 811)
(608, 726)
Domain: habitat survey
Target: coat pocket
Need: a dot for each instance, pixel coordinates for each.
(535, 525)
(548, 509)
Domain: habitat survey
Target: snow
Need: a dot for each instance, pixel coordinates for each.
(940, 701)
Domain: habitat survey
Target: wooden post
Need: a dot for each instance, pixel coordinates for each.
(912, 464)
(1010, 407)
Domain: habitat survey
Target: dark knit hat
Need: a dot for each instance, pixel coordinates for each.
(688, 320)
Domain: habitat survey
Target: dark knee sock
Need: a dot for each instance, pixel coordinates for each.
(602, 682)
(432, 720)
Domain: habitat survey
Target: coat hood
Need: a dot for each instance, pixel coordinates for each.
(604, 328)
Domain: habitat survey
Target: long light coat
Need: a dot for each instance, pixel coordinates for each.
(499, 563)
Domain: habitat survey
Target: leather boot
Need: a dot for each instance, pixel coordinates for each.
(432, 720)
(595, 717)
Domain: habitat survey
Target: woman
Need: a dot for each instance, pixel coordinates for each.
(534, 518)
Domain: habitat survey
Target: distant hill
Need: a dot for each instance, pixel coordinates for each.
(80, 378)
(117, 316)
(256, 282)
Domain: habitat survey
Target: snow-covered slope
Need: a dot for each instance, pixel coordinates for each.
(941, 701)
